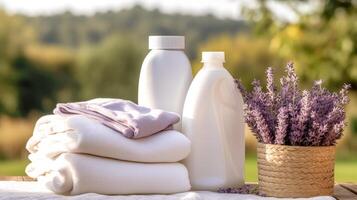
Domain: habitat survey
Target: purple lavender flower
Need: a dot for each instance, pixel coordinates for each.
(292, 117)
(250, 120)
(271, 87)
(262, 127)
(272, 100)
(243, 91)
(289, 83)
(334, 124)
(282, 126)
(260, 105)
(300, 124)
(344, 94)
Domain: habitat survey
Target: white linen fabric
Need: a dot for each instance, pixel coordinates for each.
(12, 190)
(74, 174)
(125, 117)
(54, 134)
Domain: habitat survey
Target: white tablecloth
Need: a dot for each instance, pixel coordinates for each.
(12, 190)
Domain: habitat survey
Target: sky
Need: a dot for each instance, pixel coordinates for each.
(219, 8)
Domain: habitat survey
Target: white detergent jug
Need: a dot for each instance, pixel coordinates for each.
(165, 75)
(213, 121)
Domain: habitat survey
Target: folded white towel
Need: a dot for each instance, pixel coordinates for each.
(78, 173)
(126, 117)
(54, 135)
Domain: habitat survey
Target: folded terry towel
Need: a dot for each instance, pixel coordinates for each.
(55, 134)
(131, 120)
(77, 173)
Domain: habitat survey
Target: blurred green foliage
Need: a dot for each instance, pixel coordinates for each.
(322, 43)
(354, 125)
(111, 69)
(247, 57)
(30, 80)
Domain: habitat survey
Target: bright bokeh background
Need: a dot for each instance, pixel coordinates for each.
(60, 51)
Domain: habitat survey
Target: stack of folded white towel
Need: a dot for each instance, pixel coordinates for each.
(108, 146)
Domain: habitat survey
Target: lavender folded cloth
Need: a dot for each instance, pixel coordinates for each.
(124, 116)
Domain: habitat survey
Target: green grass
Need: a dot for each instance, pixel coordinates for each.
(13, 167)
(251, 169)
(345, 170)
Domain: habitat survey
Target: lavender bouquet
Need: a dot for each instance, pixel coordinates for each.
(289, 116)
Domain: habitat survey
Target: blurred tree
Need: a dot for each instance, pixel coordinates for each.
(36, 86)
(75, 30)
(111, 69)
(28, 80)
(246, 57)
(57, 64)
(14, 35)
(327, 52)
(332, 7)
(322, 43)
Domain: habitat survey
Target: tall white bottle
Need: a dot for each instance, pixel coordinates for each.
(165, 75)
(213, 121)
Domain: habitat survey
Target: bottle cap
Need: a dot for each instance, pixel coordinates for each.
(213, 56)
(166, 42)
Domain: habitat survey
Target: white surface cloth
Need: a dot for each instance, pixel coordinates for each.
(77, 173)
(11, 190)
(54, 135)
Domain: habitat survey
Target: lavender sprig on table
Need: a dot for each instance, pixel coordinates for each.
(289, 116)
(245, 189)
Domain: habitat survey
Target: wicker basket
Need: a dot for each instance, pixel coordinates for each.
(294, 171)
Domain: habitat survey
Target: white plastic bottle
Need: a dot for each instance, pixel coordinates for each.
(213, 121)
(165, 75)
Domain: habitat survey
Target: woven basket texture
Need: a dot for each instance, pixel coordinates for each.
(295, 171)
